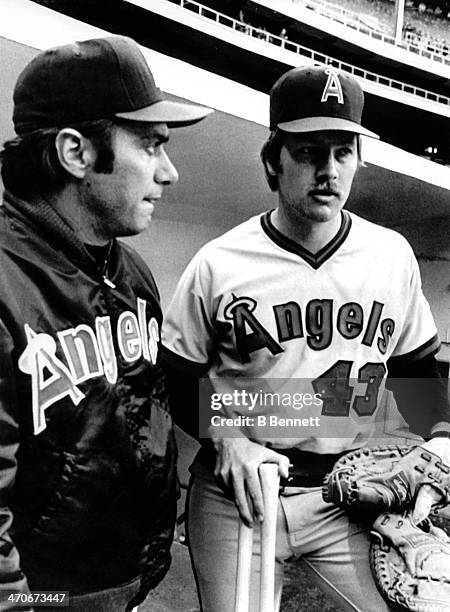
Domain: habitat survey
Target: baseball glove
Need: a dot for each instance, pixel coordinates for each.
(370, 481)
(411, 564)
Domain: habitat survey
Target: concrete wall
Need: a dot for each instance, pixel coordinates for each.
(431, 242)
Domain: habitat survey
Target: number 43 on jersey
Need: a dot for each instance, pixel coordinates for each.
(336, 392)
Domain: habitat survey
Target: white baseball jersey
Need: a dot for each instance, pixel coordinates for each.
(259, 312)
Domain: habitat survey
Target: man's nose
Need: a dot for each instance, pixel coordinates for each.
(166, 173)
(328, 167)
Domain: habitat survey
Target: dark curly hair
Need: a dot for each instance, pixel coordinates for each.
(30, 164)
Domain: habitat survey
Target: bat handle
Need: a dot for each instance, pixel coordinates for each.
(270, 481)
(244, 563)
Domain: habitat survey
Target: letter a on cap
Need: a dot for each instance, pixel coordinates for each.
(332, 87)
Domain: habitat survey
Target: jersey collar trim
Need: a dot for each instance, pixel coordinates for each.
(315, 260)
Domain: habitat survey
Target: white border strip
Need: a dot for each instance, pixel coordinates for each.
(38, 27)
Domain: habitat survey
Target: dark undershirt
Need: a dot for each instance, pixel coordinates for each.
(421, 394)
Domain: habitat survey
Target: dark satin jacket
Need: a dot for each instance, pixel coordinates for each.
(87, 453)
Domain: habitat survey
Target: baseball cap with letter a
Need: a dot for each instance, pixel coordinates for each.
(317, 98)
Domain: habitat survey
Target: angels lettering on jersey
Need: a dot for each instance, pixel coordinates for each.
(316, 323)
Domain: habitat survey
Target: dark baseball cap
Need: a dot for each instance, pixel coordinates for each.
(94, 79)
(317, 98)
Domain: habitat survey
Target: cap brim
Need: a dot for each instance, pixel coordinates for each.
(175, 114)
(318, 124)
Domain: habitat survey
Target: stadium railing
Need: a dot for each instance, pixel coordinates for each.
(413, 43)
(319, 58)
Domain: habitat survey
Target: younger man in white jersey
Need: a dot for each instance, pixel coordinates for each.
(306, 297)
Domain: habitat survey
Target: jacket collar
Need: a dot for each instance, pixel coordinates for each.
(49, 224)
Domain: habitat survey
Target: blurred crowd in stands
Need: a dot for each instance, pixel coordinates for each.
(260, 31)
(425, 26)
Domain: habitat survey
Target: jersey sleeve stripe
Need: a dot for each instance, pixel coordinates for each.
(441, 429)
(183, 364)
(430, 347)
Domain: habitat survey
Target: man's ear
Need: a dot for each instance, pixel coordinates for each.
(75, 152)
(269, 168)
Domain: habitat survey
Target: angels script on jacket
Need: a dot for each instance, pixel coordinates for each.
(89, 353)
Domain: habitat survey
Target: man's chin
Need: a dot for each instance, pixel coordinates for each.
(323, 213)
(134, 230)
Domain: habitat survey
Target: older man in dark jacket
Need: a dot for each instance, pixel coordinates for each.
(87, 452)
